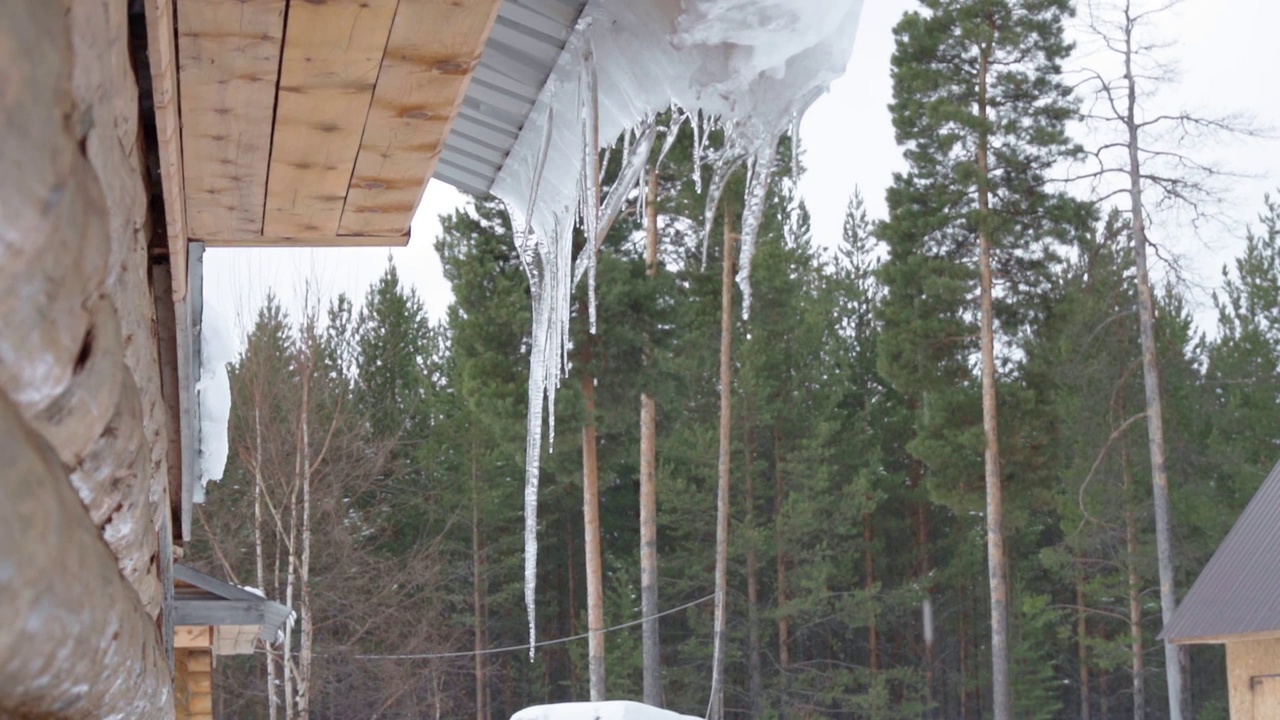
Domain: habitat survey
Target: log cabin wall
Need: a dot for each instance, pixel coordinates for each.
(78, 342)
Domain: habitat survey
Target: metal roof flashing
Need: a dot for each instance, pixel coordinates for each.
(1237, 595)
(523, 47)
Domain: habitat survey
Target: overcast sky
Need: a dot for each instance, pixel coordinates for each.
(1226, 50)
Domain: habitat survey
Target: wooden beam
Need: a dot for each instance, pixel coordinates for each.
(431, 54)
(311, 241)
(217, 612)
(229, 59)
(332, 52)
(162, 51)
(192, 636)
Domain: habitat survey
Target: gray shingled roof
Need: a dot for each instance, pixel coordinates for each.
(527, 39)
(1238, 592)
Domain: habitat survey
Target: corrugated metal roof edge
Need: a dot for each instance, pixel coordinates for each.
(1200, 618)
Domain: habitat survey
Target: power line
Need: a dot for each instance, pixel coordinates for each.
(542, 643)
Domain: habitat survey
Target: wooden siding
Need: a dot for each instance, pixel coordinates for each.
(432, 52)
(317, 122)
(229, 59)
(1252, 670)
(332, 52)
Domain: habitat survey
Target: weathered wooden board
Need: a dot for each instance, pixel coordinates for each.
(162, 51)
(192, 636)
(229, 61)
(312, 241)
(332, 52)
(431, 54)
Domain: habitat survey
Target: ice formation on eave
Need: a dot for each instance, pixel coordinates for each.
(213, 398)
(750, 67)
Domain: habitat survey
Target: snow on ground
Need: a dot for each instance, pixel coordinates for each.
(612, 710)
(750, 67)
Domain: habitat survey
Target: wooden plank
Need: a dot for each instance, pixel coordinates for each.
(311, 241)
(229, 59)
(200, 683)
(433, 50)
(162, 51)
(332, 52)
(200, 661)
(217, 612)
(192, 636)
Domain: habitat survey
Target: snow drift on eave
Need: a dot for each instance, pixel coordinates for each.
(750, 66)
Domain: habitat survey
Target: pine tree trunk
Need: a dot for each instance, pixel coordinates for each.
(869, 570)
(716, 710)
(649, 484)
(756, 686)
(1138, 649)
(1002, 704)
(964, 656)
(478, 592)
(1151, 385)
(591, 530)
(1082, 652)
(923, 569)
(784, 620)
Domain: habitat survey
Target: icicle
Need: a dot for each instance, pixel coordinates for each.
(590, 202)
(795, 146)
(673, 132)
(697, 162)
(729, 160)
(760, 172)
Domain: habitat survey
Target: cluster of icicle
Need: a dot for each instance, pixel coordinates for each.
(748, 68)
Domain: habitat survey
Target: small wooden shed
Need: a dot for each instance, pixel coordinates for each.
(1236, 602)
(211, 618)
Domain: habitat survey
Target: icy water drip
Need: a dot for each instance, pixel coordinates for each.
(747, 67)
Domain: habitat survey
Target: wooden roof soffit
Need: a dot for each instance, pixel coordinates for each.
(164, 82)
(317, 122)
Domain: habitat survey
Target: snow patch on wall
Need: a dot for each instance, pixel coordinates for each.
(213, 396)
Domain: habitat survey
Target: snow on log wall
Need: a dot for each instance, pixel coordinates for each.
(78, 356)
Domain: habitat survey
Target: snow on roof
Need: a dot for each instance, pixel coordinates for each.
(611, 710)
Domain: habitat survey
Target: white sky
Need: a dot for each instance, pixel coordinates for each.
(1226, 50)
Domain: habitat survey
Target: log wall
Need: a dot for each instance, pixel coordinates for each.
(79, 375)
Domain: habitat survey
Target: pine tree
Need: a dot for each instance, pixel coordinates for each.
(980, 109)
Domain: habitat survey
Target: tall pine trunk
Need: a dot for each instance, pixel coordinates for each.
(1151, 384)
(649, 483)
(869, 570)
(1001, 699)
(478, 593)
(1137, 649)
(1082, 650)
(591, 529)
(716, 710)
(784, 619)
(755, 674)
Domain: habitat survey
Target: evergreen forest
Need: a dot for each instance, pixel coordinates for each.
(376, 473)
